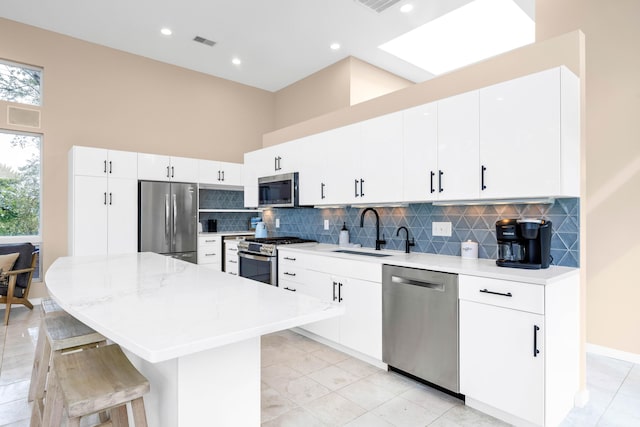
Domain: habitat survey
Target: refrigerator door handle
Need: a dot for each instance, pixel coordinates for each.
(175, 214)
(166, 217)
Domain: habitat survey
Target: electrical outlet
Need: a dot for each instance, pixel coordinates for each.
(326, 224)
(441, 229)
(277, 222)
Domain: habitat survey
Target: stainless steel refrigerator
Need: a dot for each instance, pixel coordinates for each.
(167, 219)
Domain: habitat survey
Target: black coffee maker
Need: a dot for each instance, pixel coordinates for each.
(524, 243)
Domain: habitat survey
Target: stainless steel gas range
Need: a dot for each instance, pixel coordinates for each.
(258, 257)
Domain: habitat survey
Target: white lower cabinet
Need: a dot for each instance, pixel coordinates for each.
(519, 348)
(358, 287)
(210, 251)
(231, 256)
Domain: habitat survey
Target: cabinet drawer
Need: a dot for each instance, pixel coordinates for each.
(213, 266)
(290, 273)
(231, 268)
(205, 240)
(502, 293)
(293, 259)
(208, 255)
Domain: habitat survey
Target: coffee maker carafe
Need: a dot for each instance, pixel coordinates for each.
(524, 243)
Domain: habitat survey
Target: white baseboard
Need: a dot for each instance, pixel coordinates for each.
(612, 352)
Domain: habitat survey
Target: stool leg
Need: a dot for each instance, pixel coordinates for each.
(52, 416)
(139, 415)
(40, 365)
(119, 416)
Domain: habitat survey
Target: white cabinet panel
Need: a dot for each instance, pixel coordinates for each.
(420, 164)
(381, 152)
(458, 175)
(88, 226)
(210, 251)
(497, 362)
(90, 161)
(520, 136)
(122, 164)
(122, 216)
(155, 167)
(219, 173)
(342, 166)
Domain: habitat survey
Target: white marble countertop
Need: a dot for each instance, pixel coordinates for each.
(160, 308)
(227, 233)
(450, 264)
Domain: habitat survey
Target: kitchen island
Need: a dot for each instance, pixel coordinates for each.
(193, 332)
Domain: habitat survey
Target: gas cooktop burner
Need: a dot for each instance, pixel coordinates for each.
(288, 240)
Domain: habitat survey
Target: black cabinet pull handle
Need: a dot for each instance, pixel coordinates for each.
(275, 163)
(483, 170)
(339, 292)
(105, 166)
(536, 328)
(289, 258)
(362, 188)
(289, 289)
(167, 171)
(334, 290)
(110, 166)
(233, 262)
(485, 291)
(440, 189)
(111, 198)
(433, 190)
(357, 188)
(218, 175)
(322, 190)
(105, 197)
(286, 273)
(223, 175)
(172, 171)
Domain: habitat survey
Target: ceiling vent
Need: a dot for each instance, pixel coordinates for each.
(202, 40)
(377, 5)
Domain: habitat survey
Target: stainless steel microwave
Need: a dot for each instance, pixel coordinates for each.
(278, 191)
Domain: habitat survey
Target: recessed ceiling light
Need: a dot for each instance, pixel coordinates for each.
(335, 46)
(406, 8)
(236, 61)
(476, 31)
(166, 31)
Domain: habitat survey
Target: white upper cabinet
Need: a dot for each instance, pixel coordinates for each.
(458, 174)
(528, 135)
(380, 155)
(219, 173)
(155, 167)
(420, 164)
(90, 161)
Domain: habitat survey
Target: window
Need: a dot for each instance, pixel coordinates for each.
(20, 83)
(20, 189)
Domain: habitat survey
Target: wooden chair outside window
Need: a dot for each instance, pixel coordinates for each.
(16, 276)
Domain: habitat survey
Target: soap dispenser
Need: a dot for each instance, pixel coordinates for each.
(344, 235)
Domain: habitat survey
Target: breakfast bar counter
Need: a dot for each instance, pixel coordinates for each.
(192, 331)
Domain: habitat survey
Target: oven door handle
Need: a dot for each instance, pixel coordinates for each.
(253, 256)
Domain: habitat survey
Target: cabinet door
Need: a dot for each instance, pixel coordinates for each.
(89, 216)
(250, 178)
(342, 167)
(230, 173)
(184, 169)
(420, 163)
(89, 161)
(381, 159)
(520, 136)
(122, 164)
(122, 236)
(361, 325)
(458, 175)
(320, 285)
(154, 167)
(312, 172)
(497, 364)
(208, 172)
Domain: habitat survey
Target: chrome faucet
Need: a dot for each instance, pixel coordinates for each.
(407, 243)
(378, 241)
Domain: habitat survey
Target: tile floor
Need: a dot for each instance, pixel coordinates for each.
(306, 384)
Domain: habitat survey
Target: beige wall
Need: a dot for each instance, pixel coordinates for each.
(368, 81)
(96, 96)
(613, 160)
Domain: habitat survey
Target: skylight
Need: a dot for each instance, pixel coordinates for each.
(480, 29)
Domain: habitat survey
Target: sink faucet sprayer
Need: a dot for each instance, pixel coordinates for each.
(407, 243)
(378, 241)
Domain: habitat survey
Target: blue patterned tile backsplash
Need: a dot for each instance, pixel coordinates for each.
(475, 223)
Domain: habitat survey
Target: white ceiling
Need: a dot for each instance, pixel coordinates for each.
(278, 41)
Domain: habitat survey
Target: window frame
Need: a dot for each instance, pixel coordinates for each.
(28, 67)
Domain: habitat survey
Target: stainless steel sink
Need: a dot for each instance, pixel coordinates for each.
(347, 251)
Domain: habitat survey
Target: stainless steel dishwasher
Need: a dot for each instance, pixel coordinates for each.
(420, 324)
